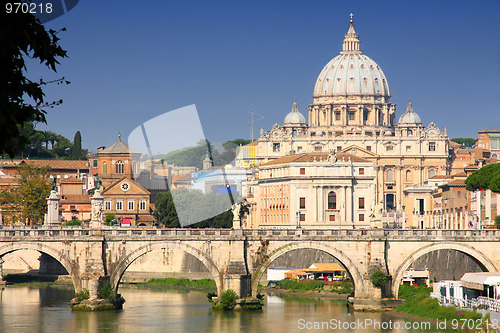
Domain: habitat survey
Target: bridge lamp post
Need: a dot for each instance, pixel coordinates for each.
(297, 214)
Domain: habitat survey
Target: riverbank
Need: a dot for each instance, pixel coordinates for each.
(182, 284)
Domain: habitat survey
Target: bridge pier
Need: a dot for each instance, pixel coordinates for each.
(1, 270)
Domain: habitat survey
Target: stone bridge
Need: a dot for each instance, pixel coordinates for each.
(238, 258)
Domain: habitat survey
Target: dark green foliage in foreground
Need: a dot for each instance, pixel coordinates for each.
(467, 142)
(73, 222)
(378, 278)
(227, 300)
(106, 291)
(185, 284)
(342, 287)
(84, 294)
(419, 303)
(497, 220)
(488, 177)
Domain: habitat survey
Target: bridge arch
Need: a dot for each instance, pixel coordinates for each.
(124, 263)
(468, 250)
(359, 287)
(54, 253)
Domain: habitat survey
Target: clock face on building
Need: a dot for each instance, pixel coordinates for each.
(125, 186)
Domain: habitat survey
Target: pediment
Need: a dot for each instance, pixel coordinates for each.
(125, 186)
(358, 151)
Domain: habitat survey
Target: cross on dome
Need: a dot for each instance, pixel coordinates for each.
(351, 39)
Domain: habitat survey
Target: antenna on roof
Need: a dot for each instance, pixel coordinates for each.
(252, 122)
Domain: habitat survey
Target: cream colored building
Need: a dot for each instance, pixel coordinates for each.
(313, 190)
(352, 113)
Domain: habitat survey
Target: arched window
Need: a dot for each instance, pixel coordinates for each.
(120, 167)
(104, 168)
(390, 176)
(408, 175)
(494, 156)
(332, 200)
(432, 173)
(410, 132)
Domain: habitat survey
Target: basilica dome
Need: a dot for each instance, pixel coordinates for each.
(351, 73)
(294, 118)
(409, 117)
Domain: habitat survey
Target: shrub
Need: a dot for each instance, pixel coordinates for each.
(106, 291)
(84, 294)
(228, 299)
(378, 278)
(497, 220)
(74, 222)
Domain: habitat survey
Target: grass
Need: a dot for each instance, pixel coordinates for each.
(184, 284)
(338, 288)
(419, 303)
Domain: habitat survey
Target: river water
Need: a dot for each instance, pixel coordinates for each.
(47, 309)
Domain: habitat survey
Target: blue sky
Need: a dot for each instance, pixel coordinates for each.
(130, 61)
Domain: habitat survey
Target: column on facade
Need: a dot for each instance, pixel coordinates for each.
(456, 219)
(316, 208)
(478, 209)
(461, 224)
(399, 191)
(322, 204)
(350, 204)
(487, 205)
(466, 220)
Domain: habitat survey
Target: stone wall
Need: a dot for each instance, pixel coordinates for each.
(446, 264)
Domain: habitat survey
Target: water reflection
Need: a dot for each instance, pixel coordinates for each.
(48, 310)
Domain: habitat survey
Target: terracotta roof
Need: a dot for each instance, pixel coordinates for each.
(120, 180)
(325, 267)
(460, 174)
(75, 199)
(311, 157)
(54, 164)
(252, 144)
(119, 147)
(182, 179)
(490, 131)
(441, 177)
(457, 182)
(454, 144)
(71, 180)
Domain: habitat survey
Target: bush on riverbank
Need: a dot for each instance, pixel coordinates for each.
(302, 286)
(185, 284)
(419, 303)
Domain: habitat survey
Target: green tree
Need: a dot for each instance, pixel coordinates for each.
(28, 201)
(488, 177)
(467, 142)
(76, 148)
(378, 278)
(165, 213)
(23, 36)
(497, 220)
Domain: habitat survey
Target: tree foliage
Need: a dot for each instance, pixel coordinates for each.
(192, 205)
(467, 142)
(488, 177)
(23, 36)
(28, 201)
(378, 278)
(76, 148)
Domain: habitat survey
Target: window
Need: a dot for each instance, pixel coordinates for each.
(95, 163)
(361, 171)
(459, 194)
(332, 218)
(408, 148)
(369, 148)
(294, 133)
(302, 171)
(104, 168)
(494, 143)
(318, 148)
(351, 115)
(361, 203)
(390, 176)
(494, 156)
(389, 148)
(119, 204)
(432, 173)
(299, 148)
(302, 203)
(339, 148)
(107, 205)
(302, 217)
(337, 115)
(142, 205)
(361, 217)
(332, 200)
(120, 167)
(408, 176)
(410, 132)
(276, 147)
(131, 205)
(432, 146)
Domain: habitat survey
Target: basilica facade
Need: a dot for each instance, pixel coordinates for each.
(352, 114)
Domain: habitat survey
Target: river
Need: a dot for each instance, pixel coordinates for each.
(47, 309)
